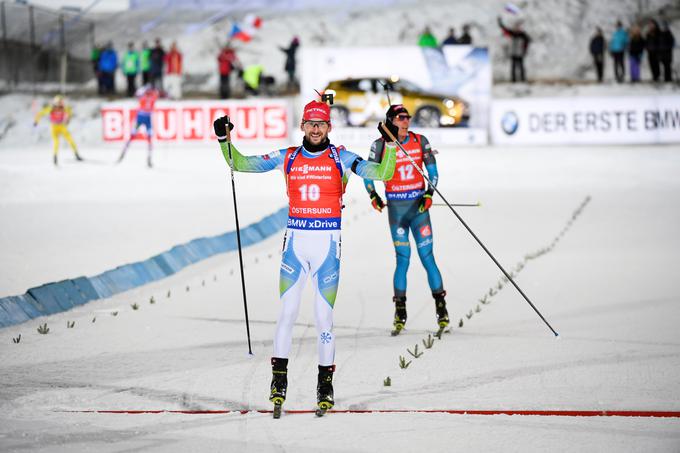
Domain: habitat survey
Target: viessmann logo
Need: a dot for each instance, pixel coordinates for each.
(306, 168)
(509, 123)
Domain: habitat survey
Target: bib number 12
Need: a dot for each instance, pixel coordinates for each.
(406, 172)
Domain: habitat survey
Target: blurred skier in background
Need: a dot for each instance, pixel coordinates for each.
(60, 114)
(147, 96)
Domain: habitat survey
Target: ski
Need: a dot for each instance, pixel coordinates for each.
(278, 403)
(442, 330)
(322, 409)
(277, 410)
(398, 327)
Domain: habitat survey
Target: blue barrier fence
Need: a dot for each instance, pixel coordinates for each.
(61, 296)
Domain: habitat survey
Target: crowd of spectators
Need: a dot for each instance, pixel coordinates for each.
(147, 66)
(646, 39)
(427, 38)
(163, 69)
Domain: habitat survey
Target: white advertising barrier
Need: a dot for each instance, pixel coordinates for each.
(191, 121)
(591, 120)
(359, 139)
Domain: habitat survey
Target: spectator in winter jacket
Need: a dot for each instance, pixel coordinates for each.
(597, 51)
(289, 67)
(450, 38)
(518, 49)
(227, 62)
(465, 38)
(653, 46)
(94, 59)
(667, 42)
(145, 63)
(157, 60)
(617, 46)
(427, 39)
(130, 68)
(108, 63)
(173, 69)
(636, 47)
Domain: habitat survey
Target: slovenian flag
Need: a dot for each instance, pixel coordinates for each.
(246, 29)
(512, 8)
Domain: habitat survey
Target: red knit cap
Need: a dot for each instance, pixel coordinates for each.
(316, 110)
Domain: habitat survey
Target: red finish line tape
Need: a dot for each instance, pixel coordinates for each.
(540, 413)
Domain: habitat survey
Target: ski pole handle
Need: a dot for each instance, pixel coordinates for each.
(387, 130)
(229, 136)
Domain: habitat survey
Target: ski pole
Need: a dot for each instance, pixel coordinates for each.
(460, 205)
(389, 133)
(238, 237)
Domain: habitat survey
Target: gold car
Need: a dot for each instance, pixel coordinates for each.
(363, 101)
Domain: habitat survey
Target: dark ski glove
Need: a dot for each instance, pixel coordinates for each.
(394, 129)
(220, 126)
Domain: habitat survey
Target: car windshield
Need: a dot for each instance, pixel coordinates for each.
(406, 85)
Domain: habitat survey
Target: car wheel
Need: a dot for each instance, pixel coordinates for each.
(426, 117)
(339, 116)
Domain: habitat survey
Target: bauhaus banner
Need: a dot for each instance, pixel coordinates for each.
(191, 121)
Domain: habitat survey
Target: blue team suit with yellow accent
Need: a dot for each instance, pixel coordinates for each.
(404, 193)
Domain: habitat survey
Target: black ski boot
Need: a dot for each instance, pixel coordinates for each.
(399, 313)
(442, 313)
(324, 390)
(279, 384)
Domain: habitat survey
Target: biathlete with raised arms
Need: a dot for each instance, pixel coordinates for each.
(316, 174)
(407, 204)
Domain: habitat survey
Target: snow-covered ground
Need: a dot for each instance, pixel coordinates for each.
(608, 285)
(603, 273)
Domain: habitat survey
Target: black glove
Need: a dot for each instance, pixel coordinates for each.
(220, 126)
(394, 129)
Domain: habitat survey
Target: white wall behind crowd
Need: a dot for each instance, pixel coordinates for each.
(589, 120)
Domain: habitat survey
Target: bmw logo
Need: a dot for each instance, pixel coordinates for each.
(510, 123)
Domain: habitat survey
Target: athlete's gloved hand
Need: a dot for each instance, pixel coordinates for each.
(376, 201)
(220, 126)
(426, 201)
(394, 129)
